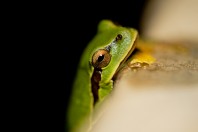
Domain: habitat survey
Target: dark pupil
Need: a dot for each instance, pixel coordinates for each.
(100, 58)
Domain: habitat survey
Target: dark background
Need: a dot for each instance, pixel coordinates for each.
(65, 29)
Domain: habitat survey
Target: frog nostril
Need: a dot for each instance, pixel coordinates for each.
(118, 37)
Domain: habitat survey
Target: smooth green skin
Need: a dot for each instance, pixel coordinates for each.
(81, 102)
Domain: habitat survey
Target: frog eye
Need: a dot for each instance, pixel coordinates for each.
(101, 58)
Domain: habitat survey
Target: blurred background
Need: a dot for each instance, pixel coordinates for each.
(73, 24)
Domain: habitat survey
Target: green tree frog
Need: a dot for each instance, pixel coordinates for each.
(99, 63)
